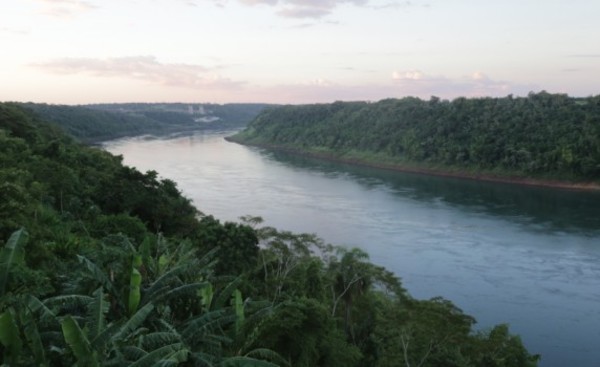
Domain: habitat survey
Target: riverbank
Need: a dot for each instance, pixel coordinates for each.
(442, 172)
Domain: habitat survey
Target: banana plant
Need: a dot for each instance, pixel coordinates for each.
(10, 338)
(20, 332)
(135, 284)
(79, 343)
(13, 253)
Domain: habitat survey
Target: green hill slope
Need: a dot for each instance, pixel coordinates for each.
(99, 122)
(103, 265)
(542, 136)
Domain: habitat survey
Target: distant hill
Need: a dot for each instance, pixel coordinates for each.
(98, 122)
(541, 136)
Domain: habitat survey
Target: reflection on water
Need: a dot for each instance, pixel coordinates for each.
(503, 253)
(537, 207)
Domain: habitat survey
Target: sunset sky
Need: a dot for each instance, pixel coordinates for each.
(294, 51)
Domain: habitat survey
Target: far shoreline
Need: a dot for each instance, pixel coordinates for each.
(484, 177)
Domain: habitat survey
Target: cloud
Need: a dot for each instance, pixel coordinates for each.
(65, 8)
(17, 31)
(478, 84)
(312, 8)
(304, 12)
(144, 68)
(324, 91)
(586, 56)
(408, 75)
(479, 76)
(320, 82)
(257, 2)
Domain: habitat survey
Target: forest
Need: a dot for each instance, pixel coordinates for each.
(542, 135)
(103, 265)
(100, 122)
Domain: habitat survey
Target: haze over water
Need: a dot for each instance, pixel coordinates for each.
(526, 256)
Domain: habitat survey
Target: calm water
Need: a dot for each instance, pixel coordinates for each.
(529, 257)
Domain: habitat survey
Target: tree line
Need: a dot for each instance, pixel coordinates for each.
(103, 265)
(548, 136)
(101, 122)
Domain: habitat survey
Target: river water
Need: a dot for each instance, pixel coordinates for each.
(525, 256)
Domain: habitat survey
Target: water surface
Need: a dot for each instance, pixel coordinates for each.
(525, 256)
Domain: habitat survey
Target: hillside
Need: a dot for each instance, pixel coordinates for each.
(98, 122)
(103, 265)
(546, 137)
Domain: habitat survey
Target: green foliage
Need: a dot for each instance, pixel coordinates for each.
(12, 254)
(117, 268)
(9, 337)
(78, 342)
(94, 123)
(542, 135)
(135, 284)
(238, 244)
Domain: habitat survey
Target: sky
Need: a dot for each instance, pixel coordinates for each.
(294, 51)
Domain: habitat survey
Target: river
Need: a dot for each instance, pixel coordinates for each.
(525, 256)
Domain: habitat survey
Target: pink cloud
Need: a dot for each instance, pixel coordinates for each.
(478, 84)
(145, 68)
(407, 75)
(413, 83)
(65, 8)
(306, 8)
(304, 12)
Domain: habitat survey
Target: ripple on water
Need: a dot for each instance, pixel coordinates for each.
(526, 256)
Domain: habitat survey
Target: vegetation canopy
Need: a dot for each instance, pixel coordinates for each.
(103, 265)
(544, 136)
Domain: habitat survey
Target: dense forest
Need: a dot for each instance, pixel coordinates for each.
(545, 136)
(100, 122)
(103, 265)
